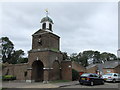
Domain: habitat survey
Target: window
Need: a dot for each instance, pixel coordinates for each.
(91, 75)
(44, 26)
(95, 75)
(115, 75)
(109, 74)
(86, 75)
(50, 27)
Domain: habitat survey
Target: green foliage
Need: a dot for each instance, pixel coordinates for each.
(96, 57)
(107, 56)
(87, 57)
(65, 56)
(23, 60)
(8, 77)
(80, 58)
(17, 56)
(7, 49)
(10, 55)
(75, 75)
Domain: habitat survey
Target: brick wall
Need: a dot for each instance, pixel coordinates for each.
(66, 70)
(91, 70)
(15, 70)
(48, 40)
(108, 70)
(112, 70)
(117, 69)
(78, 67)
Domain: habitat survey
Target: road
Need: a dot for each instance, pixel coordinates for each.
(106, 85)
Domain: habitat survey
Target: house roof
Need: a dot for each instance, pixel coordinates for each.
(90, 66)
(111, 64)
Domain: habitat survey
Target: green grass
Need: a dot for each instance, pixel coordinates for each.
(59, 81)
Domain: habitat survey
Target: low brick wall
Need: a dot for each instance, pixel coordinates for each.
(15, 70)
(78, 67)
(66, 70)
(92, 69)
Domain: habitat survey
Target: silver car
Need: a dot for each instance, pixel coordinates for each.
(111, 77)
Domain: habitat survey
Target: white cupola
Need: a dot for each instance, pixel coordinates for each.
(46, 22)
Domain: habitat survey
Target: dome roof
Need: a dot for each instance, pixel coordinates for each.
(46, 19)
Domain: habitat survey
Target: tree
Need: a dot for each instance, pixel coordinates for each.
(17, 56)
(89, 55)
(84, 61)
(92, 57)
(107, 56)
(7, 49)
(80, 58)
(9, 54)
(73, 57)
(96, 57)
(65, 56)
(23, 60)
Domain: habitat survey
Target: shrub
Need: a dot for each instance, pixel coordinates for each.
(8, 77)
(75, 75)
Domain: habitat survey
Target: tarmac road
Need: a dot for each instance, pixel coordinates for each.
(106, 85)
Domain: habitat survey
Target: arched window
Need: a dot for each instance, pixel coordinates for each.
(44, 26)
(50, 27)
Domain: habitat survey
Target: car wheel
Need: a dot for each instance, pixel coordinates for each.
(81, 83)
(103, 82)
(91, 83)
(114, 80)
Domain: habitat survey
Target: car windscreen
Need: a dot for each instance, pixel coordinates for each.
(109, 74)
(85, 75)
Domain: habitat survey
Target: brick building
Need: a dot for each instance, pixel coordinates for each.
(104, 68)
(45, 60)
(111, 67)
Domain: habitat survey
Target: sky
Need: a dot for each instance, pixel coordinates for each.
(80, 25)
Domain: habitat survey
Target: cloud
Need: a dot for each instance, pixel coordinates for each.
(81, 26)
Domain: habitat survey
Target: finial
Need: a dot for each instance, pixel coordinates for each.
(46, 10)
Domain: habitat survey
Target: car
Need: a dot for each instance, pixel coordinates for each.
(90, 79)
(111, 77)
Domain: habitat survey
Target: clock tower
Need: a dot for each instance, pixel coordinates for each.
(45, 56)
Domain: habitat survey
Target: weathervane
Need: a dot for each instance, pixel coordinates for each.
(46, 10)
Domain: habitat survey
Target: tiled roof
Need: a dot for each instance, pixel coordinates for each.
(90, 66)
(111, 64)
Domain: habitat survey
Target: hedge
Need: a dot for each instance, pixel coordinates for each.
(8, 77)
(75, 75)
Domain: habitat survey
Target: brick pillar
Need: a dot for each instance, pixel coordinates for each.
(29, 76)
(46, 76)
(66, 70)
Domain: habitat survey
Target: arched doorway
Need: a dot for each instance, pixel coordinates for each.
(37, 71)
(55, 73)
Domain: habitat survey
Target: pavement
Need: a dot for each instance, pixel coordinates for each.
(13, 84)
(71, 84)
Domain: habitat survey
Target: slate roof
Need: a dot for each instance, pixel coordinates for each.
(99, 66)
(90, 66)
(111, 64)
